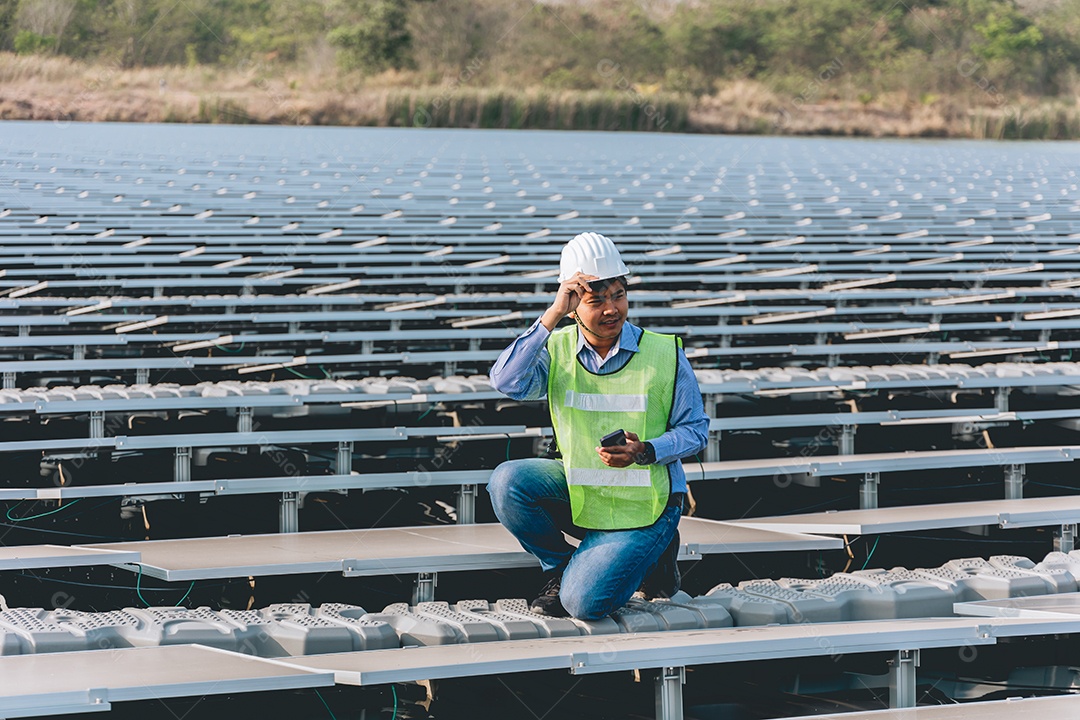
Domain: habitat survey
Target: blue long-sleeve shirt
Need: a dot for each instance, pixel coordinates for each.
(521, 372)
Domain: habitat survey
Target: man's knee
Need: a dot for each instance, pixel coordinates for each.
(501, 482)
(587, 604)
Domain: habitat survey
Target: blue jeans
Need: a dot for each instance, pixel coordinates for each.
(531, 500)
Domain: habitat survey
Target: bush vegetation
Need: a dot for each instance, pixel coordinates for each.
(970, 67)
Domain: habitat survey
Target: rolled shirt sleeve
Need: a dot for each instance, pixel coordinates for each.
(521, 372)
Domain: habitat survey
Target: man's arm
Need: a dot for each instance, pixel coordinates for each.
(521, 372)
(689, 432)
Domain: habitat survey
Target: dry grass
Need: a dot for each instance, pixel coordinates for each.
(37, 88)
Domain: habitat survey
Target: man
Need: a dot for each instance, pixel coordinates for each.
(600, 376)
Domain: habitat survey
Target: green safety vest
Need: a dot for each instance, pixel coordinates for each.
(586, 406)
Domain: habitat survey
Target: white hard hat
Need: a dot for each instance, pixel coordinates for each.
(593, 254)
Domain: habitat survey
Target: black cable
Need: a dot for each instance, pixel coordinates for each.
(1011, 686)
(808, 507)
(119, 587)
(936, 487)
(1052, 485)
(82, 511)
(63, 532)
(975, 540)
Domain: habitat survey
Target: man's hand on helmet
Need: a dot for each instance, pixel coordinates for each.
(567, 299)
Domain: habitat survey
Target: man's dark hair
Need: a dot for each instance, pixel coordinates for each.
(600, 286)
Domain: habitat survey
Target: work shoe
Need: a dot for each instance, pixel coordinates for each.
(548, 603)
(664, 580)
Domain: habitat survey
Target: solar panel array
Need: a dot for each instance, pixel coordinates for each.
(313, 311)
(738, 243)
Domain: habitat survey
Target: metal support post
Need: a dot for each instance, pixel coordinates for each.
(424, 588)
(24, 331)
(902, 678)
(712, 450)
(847, 439)
(142, 376)
(9, 381)
(466, 505)
(669, 682)
(78, 352)
(449, 368)
(1014, 482)
(868, 491)
(244, 423)
(289, 512)
(182, 464)
(245, 419)
(1001, 399)
(344, 457)
(933, 358)
(1065, 538)
(97, 423)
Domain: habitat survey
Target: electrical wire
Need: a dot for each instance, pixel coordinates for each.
(40, 515)
(936, 487)
(796, 511)
(71, 534)
(113, 586)
(190, 588)
(394, 690)
(975, 681)
(871, 553)
(138, 589)
(1052, 485)
(326, 705)
(973, 540)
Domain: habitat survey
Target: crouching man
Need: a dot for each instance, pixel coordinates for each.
(621, 493)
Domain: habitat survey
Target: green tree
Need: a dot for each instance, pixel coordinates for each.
(719, 40)
(8, 8)
(28, 42)
(42, 24)
(1006, 34)
(379, 41)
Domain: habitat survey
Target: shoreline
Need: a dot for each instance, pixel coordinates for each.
(204, 95)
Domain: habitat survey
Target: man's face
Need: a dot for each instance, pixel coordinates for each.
(602, 314)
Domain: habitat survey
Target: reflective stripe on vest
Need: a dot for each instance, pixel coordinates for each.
(586, 406)
(605, 403)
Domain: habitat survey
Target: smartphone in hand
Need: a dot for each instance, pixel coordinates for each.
(616, 438)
